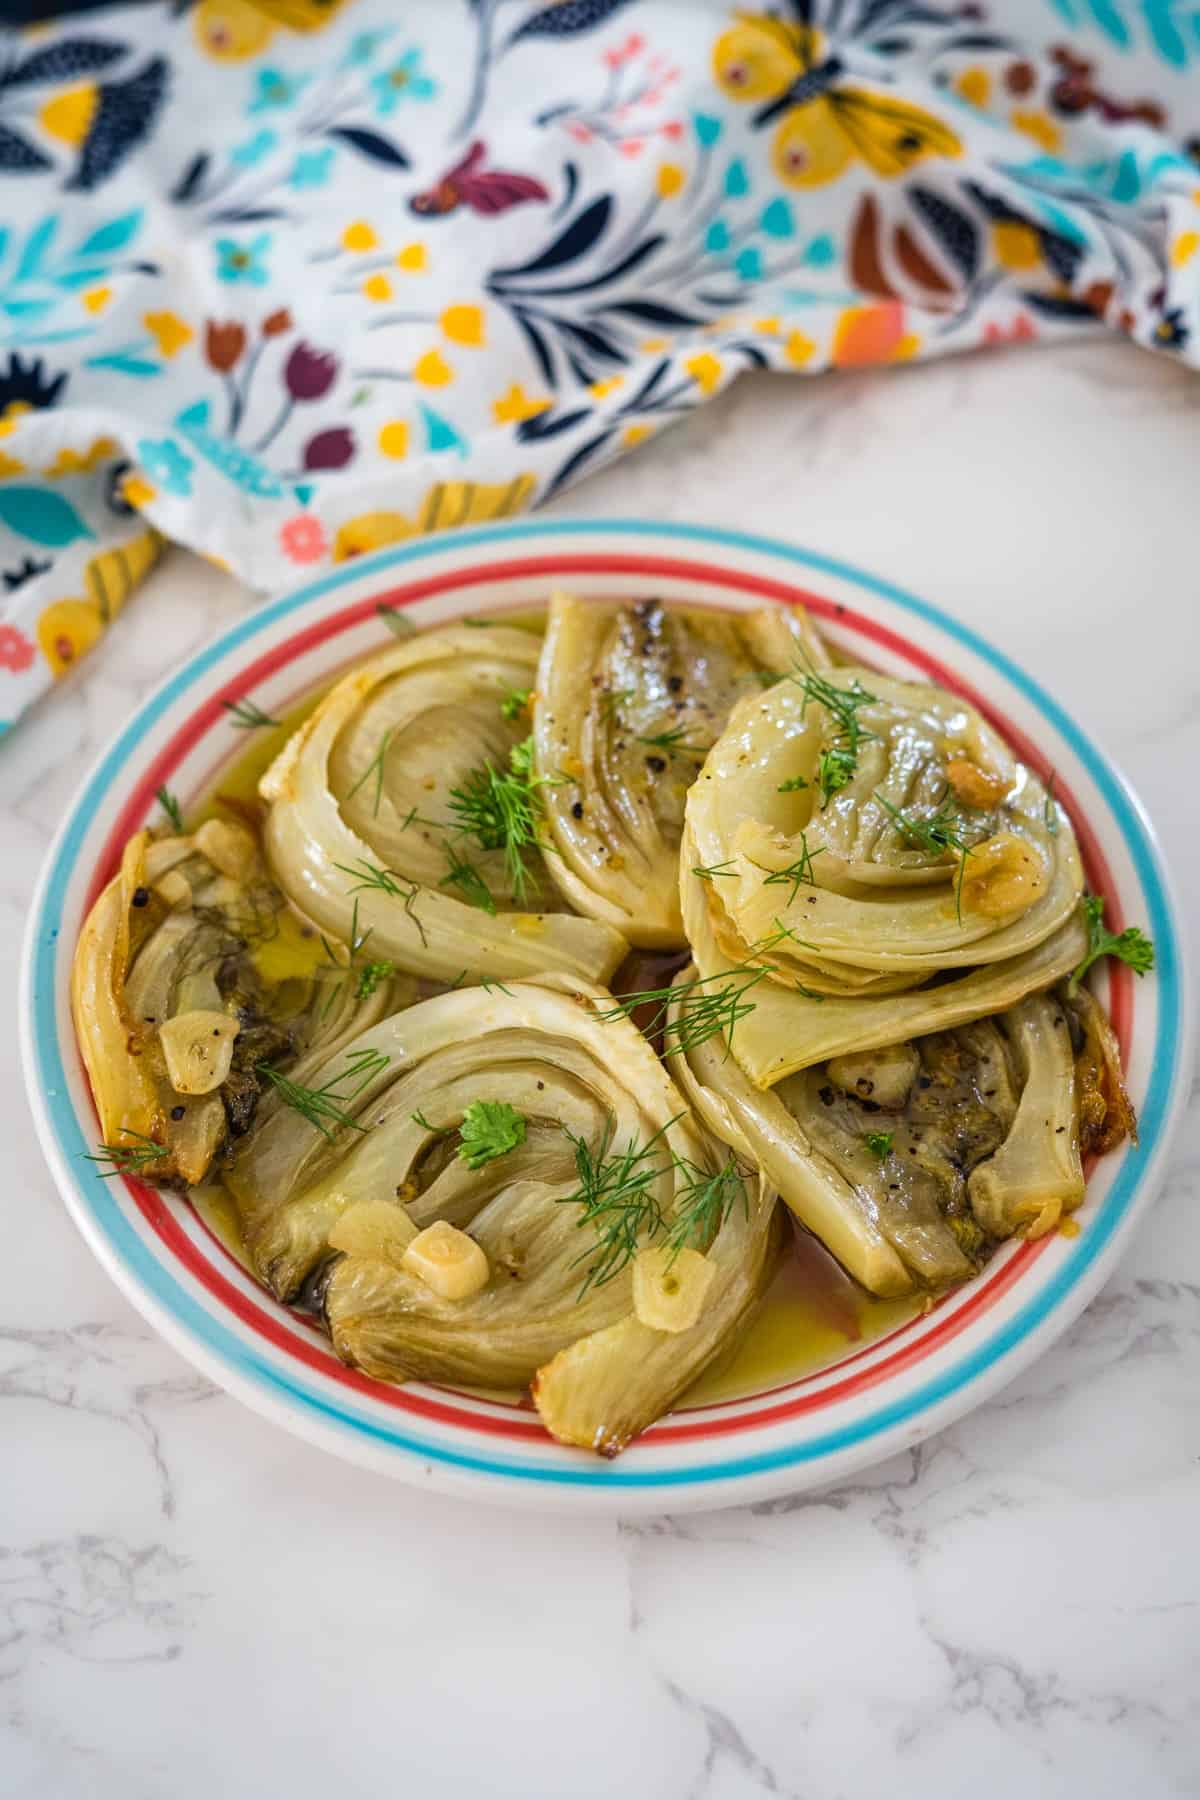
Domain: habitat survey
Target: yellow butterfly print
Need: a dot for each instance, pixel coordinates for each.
(823, 126)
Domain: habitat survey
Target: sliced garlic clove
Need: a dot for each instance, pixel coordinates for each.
(198, 1049)
(669, 1290)
(380, 1228)
(175, 888)
(228, 847)
(447, 1261)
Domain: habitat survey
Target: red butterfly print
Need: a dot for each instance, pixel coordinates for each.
(483, 190)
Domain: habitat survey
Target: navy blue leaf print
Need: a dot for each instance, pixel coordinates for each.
(589, 338)
(575, 241)
(1062, 256)
(952, 228)
(576, 461)
(570, 185)
(371, 144)
(1058, 306)
(627, 263)
(537, 344)
(245, 215)
(62, 62)
(565, 18)
(652, 381)
(654, 312)
(191, 179)
(550, 425)
(126, 113)
(16, 154)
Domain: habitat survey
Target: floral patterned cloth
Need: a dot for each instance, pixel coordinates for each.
(290, 280)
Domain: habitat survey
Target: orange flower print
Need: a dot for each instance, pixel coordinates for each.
(16, 651)
(303, 538)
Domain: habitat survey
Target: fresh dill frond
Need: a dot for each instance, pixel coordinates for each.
(501, 810)
(367, 875)
(703, 1201)
(799, 873)
(717, 871)
(398, 623)
(490, 1128)
(615, 1190)
(879, 1143)
(246, 716)
(514, 702)
(491, 987)
(675, 740)
(942, 830)
(464, 876)
(705, 1007)
(171, 807)
(838, 762)
(792, 785)
(127, 1159)
(419, 1118)
(325, 1106)
(1131, 946)
(375, 768)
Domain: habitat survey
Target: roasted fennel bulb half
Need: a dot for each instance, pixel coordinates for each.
(497, 1203)
(629, 699)
(190, 979)
(912, 1161)
(878, 861)
(411, 792)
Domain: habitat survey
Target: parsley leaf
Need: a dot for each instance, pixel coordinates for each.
(489, 1128)
(1131, 946)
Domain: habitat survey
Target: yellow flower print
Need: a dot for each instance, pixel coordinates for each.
(516, 405)
(96, 299)
(358, 235)
(68, 116)
(799, 349)
(432, 370)
(370, 531)
(76, 462)
(169, 332)
(463, 325)
(1016, 246)
(1184, 248)
(10, 465)
(66, 630)
(974, 85)
(670, 179)
(599, 390)
(652, 345)
(636, 434)
(413, 259)
(377, 287)
(1040, 127)
(138, 491)
(393, 438)
(231, 30)
(766, 327)
(705, 370)
(10, 415)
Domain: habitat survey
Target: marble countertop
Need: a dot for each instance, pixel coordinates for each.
(192, 1601)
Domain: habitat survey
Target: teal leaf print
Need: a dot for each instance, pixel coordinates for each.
(777, 220)
(106, 240)
(737, 182)
(125, 362)
(42, 515)
(820, 252)
(717, 236)
(707, 129)
(440, 433)
(1107, 16)
(36, 245)
(1165, 35)
(748, 264)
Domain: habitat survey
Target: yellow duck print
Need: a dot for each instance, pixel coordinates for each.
(822, 125)
(231, 30)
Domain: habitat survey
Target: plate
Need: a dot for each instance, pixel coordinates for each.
(879, 1397)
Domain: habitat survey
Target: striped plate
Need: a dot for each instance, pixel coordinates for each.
(873, 1401)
